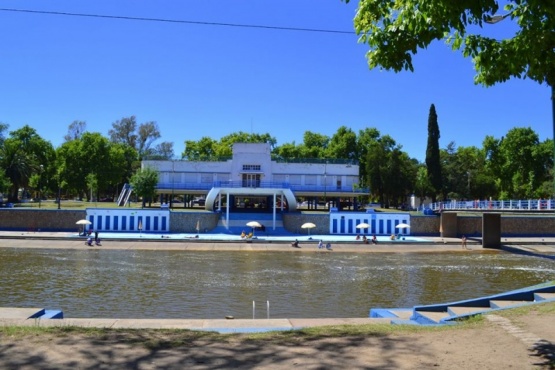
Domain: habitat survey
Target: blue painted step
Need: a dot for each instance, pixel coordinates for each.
(52, 314)
(447, 313)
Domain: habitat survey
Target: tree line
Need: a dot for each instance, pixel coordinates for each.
(89, 165)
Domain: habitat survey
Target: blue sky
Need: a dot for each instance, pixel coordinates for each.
(200, 80)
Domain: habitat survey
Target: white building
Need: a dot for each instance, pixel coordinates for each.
(252, 180)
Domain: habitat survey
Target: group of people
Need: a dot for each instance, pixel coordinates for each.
(322, 246)
(365, 239)
(89, 241)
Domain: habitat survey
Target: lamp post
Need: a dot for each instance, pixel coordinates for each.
(498, 18)
(173, 183)
(468, 174)
(40, 180)
(325, 182)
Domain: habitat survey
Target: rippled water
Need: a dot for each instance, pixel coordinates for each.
(182, 284)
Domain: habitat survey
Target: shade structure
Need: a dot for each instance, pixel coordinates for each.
(363, 225)
(308, 226)
(83, 222)
(402, 226)
(253, 224)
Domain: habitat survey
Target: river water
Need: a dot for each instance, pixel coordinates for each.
(100, 283)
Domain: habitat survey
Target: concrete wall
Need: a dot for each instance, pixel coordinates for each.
(491, 230)
(185, 222)
(40, 219)
(293, 221)
(448, 225)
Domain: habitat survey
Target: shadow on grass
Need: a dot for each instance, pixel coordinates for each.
(193, 350)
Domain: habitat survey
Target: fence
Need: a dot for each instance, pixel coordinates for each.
(500, 205)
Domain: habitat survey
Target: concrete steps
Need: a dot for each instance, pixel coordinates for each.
(451, 312)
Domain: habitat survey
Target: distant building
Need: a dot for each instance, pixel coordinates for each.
(252, 181)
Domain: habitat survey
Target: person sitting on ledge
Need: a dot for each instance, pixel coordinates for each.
(243, 235)
(358, 237)
(364, 239)
(295, 244)
(89, 242)
(374, 239)
(97, 242)
(392, 237)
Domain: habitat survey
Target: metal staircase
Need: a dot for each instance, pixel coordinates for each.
(124, 195)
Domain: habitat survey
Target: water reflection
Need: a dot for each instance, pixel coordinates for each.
(177, 284)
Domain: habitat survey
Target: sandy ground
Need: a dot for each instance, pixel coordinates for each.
(524, 342)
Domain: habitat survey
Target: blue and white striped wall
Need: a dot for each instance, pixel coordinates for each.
(125, 220)
(380, 223)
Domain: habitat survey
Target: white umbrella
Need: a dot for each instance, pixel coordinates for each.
(308, 225)
(402, 226)
(363, 225)
(83, 222)
(253, 224)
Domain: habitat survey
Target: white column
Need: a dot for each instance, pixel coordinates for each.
(274, 213)
(227, 212)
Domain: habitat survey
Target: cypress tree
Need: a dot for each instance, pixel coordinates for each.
(433, 162)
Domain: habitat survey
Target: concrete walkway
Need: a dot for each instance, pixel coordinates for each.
(13, 316)
(61, 240)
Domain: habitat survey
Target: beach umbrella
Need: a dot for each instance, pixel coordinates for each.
(363, 225)
(253, 224)
(83, 222)
(308, 225)
(402, 226)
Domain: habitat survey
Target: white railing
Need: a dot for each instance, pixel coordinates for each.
(502, 205)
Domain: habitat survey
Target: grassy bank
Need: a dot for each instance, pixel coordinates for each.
(171, 338)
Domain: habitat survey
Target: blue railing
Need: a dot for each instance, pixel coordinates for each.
(502, 205)
(259, 184)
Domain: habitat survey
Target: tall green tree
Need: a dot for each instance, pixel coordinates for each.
(144, 183)
(23, 154)
(287, 151)
(208, 148)
(364, 139)
(433, 160)
(138, 136)
(422, 187)
(343, 144)
(75, 130)
(203, 149)
(110, 163)
(389, 172)
(518, 161)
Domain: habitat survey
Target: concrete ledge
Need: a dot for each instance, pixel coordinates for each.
(20, 313)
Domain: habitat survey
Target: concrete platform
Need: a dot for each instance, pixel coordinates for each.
(217, 325)
(18, 313)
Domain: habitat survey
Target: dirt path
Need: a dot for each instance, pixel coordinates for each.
(504, 344)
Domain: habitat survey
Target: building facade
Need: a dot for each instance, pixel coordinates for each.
(252, 180)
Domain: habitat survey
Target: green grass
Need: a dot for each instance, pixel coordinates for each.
(82, 205)
(169, 338)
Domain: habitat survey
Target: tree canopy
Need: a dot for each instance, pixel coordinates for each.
(396, 30)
